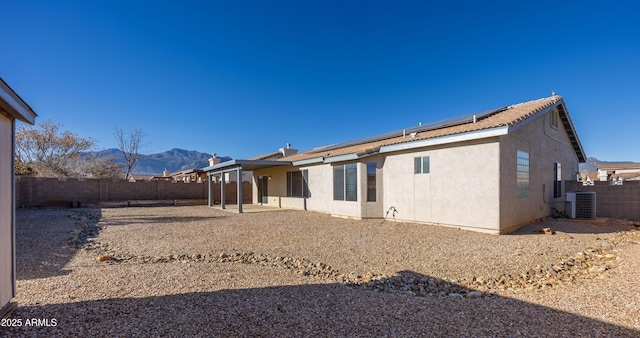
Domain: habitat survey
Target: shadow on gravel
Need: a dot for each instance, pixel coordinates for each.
(325, 310)
(48, 238)
(576, 227)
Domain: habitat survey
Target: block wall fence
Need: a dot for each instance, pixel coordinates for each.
(616, 201)
(37, 191)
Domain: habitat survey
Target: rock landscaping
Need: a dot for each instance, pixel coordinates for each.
(309, 274)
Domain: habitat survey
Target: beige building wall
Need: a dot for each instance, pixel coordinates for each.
(546, 145)
(320, 188)
(373, 209)
(320, 182)
(471, 184)
(276, 186)
(6, 210)
(462, 188)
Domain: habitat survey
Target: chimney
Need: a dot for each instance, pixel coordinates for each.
(214, 160)
(165, 173)
(288, 151)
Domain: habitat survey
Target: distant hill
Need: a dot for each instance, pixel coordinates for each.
(592, 164)
(173, 160)
(179, 159)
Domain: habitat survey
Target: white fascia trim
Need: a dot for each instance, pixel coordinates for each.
(348, 157)
(24, 112)
(468, 136)
(308, 161)
(341, 158)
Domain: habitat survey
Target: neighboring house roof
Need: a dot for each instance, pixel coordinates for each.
(187, 171)
(161, 178)
(13, 104)
(270, 156)
(142, 177)
(485, 124)
(592, 175)
(619, 166)
(627, 176)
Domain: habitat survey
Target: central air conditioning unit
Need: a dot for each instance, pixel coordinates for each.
(581, 204)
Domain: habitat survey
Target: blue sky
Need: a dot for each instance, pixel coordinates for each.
(243, 78)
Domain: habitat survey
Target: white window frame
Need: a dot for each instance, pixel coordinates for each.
(421, 165)
(522, 174)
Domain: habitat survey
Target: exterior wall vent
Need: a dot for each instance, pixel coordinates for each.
(581, 204)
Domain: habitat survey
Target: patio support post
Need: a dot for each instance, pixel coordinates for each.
(222, 192)
(239, 184)
(210, 187)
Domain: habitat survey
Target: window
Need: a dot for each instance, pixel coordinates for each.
(371, 182)
(421, 165)
(554, 119)
(345, 182)
(557, 183)
(297, 183)
(523, 174)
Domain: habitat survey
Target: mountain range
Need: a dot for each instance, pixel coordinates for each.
(172, 160)
(179, 159)
(592, 164)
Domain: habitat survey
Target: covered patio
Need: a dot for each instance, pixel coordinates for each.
(237, 166)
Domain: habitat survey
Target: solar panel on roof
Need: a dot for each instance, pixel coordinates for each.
(424, 127)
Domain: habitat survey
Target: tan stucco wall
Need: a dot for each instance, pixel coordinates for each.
(320, 188)
(6, 210)
(471, 184)
(372, 209)
(460, 190)
(545, 146)
(277, 184)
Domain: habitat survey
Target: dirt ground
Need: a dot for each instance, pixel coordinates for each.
(197, 271)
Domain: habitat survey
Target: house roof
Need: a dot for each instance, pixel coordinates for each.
(592, 175)
(13, 104)
(489, 123)
(619, 166)
(244, 164)
(142, 177)
(269, 156)
(187, 171)
(627, 176)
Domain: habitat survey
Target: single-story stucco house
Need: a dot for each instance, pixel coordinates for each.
(492, 171)
(618, 172)
(12, 108)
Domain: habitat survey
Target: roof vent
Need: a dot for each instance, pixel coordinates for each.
(288, 150)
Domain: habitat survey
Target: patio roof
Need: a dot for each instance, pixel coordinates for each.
(239, 166)
(244, 164)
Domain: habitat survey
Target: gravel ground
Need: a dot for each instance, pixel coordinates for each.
(197, 271)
